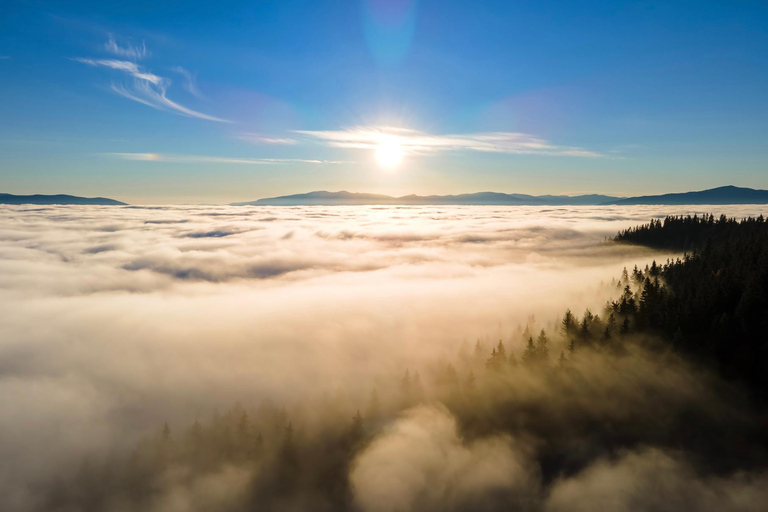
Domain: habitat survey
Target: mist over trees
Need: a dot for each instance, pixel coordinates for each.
(633, 395)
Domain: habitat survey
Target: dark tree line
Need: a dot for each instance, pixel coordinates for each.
(713, 302)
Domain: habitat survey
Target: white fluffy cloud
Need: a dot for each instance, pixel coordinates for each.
(421, 463)
(653, 480)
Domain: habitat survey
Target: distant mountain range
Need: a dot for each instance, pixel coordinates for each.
(714, 196)
(56, 199)
(720, 195)
(480, 198)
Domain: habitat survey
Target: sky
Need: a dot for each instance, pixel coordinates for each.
(193, 102)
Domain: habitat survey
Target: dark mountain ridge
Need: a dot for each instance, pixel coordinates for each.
(343, 197)
(721, 195)
(57, 199)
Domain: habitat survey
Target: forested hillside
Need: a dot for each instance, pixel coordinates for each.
(712, 303)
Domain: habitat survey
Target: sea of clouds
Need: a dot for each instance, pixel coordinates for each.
(117, 318)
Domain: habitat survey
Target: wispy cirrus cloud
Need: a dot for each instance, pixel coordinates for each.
(155, 97)
(130, 51)
(413, 141)
(256, 138)
(190, 81)
(146, 87)
(123, 65)
(198, 159)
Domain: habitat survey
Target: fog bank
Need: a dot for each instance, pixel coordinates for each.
(116, 319)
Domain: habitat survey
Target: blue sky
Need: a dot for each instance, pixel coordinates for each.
(215, 102)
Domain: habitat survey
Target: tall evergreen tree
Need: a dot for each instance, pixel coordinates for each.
(568, 325)
(529, 355)
(542, 347)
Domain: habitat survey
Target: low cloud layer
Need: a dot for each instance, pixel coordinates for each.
(116, 319)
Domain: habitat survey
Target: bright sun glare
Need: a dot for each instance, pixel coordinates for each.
(389, 153)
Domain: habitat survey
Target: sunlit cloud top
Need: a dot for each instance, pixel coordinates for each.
(414, 142)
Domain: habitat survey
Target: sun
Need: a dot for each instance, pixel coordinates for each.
(389, 153)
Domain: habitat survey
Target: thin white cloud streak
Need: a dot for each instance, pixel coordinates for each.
(190, 82)
(155, 97)
(133, 52)
(147, 88)
(413, 141)
(255, 138)
(123, 65)
(196, 159)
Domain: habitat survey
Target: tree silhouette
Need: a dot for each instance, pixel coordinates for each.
(530, 355)
(568, 325)
(542, 347)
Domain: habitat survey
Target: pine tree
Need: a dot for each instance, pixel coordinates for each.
(584, 331)
(498, 358)
(501, 353)
(606, 337)
(451, 375)
(624, 326)
(542, 347)
(529, 356)
(479, 350)
(527, 333)
(491, 362)
(568, 325)
(512, 360)
(357, 429)
(166, 433)
(243, 425)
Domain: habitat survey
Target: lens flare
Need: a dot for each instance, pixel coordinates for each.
(389, 26)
